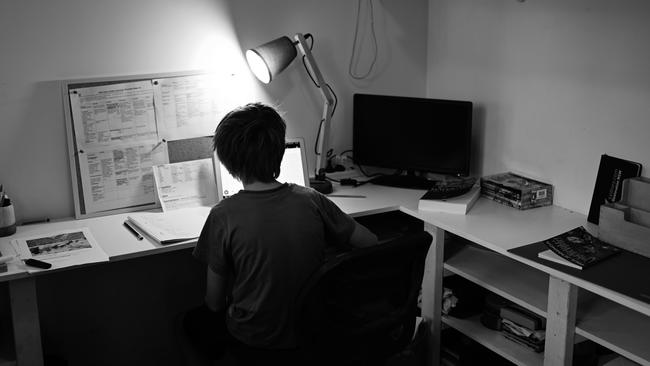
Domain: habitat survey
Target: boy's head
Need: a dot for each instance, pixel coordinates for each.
(250, 142)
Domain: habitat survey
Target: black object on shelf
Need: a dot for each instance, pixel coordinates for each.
(470, 296)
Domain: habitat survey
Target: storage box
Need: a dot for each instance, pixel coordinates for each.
(516, 190)
(626, 224)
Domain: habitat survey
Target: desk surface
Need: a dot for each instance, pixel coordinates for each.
(489, 224)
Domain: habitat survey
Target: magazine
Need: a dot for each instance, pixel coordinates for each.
(579, 248)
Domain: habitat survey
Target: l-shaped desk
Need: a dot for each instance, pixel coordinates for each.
(485, 234)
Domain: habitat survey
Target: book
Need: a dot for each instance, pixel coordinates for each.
(496, 191)
(173, 226)
(549, 255)
(609, 180)
(456, 205)
(523, 317)
(518, 204)
(577, 248)
(520, 191)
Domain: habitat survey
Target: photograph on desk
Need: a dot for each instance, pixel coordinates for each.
(60, 249)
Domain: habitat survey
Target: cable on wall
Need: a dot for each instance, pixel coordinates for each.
(354, 58)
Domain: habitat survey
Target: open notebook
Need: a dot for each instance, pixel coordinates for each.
(293, 169)
(172, 226)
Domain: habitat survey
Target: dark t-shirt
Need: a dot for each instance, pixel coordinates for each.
(267, 243)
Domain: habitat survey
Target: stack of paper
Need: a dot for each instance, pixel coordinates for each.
(172, 226)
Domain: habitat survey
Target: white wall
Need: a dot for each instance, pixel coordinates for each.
(558, 83)
(43, 42)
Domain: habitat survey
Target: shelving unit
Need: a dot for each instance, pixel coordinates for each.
(615, 327)
(603, 321)
(495, 341)
(496, 273)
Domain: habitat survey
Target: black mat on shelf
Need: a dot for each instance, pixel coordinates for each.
(626, 273)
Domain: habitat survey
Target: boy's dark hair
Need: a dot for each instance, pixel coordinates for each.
(249, 141)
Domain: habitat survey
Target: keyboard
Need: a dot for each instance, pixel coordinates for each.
(403, 181)
(450, 188)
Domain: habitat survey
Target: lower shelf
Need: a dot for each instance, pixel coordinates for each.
(495, 341)
(616, 327)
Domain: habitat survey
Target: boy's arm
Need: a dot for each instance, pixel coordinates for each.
(215, 291)
(362, 237)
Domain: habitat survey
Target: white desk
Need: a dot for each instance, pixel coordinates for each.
(488, 224)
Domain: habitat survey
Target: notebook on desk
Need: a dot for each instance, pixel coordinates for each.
(293, 169)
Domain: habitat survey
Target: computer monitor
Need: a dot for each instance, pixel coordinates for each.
(417, 135)
(293, 169)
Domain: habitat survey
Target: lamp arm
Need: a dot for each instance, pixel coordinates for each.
(328, 106)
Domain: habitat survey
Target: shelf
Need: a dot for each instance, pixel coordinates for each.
(600, 320)
(495, 341)
(521, 284)
(616, 327)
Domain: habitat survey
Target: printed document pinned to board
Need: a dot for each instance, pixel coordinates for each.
(187, 106)
(117, 144)
(186, 184)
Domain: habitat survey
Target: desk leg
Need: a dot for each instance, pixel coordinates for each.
(27, 329)
(432, 292)
(560, 322)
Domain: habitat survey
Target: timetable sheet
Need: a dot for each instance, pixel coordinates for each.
(117, 144)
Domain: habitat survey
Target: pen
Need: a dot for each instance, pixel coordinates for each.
(37, 221)
(346, 195)
(133, 230)
(36, 263)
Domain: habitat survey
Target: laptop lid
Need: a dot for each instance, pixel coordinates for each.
(293, 169)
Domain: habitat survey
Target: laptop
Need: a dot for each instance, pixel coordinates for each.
(293, 169)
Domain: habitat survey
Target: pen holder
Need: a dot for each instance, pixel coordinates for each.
(7, 220)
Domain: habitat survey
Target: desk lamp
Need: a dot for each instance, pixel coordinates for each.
(270, 59)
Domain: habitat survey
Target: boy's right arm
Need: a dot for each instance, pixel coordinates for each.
(215, 291)
(362, 237)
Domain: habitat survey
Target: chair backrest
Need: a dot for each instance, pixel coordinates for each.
(362, 304)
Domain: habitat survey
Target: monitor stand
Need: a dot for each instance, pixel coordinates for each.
(410, 180)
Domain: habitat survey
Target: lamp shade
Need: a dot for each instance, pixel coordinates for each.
(269, 59)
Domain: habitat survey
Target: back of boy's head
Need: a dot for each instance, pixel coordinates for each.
(250, 142)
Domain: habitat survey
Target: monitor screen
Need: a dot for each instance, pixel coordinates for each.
(293, 169)
(415, 134)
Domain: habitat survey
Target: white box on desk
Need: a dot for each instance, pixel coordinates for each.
(457, 205)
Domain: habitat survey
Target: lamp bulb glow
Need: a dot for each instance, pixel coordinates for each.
(258, 66)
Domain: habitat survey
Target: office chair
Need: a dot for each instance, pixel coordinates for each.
(359, 307)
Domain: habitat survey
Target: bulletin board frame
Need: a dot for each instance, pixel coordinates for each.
(89, 148)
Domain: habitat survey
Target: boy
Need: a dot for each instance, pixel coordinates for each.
(264, 242)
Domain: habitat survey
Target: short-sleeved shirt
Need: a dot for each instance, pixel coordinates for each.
(267, 244)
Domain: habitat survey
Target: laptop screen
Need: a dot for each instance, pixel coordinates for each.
(293, 169)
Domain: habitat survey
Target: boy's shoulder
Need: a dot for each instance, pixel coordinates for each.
(288, 189)
(296, 188)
